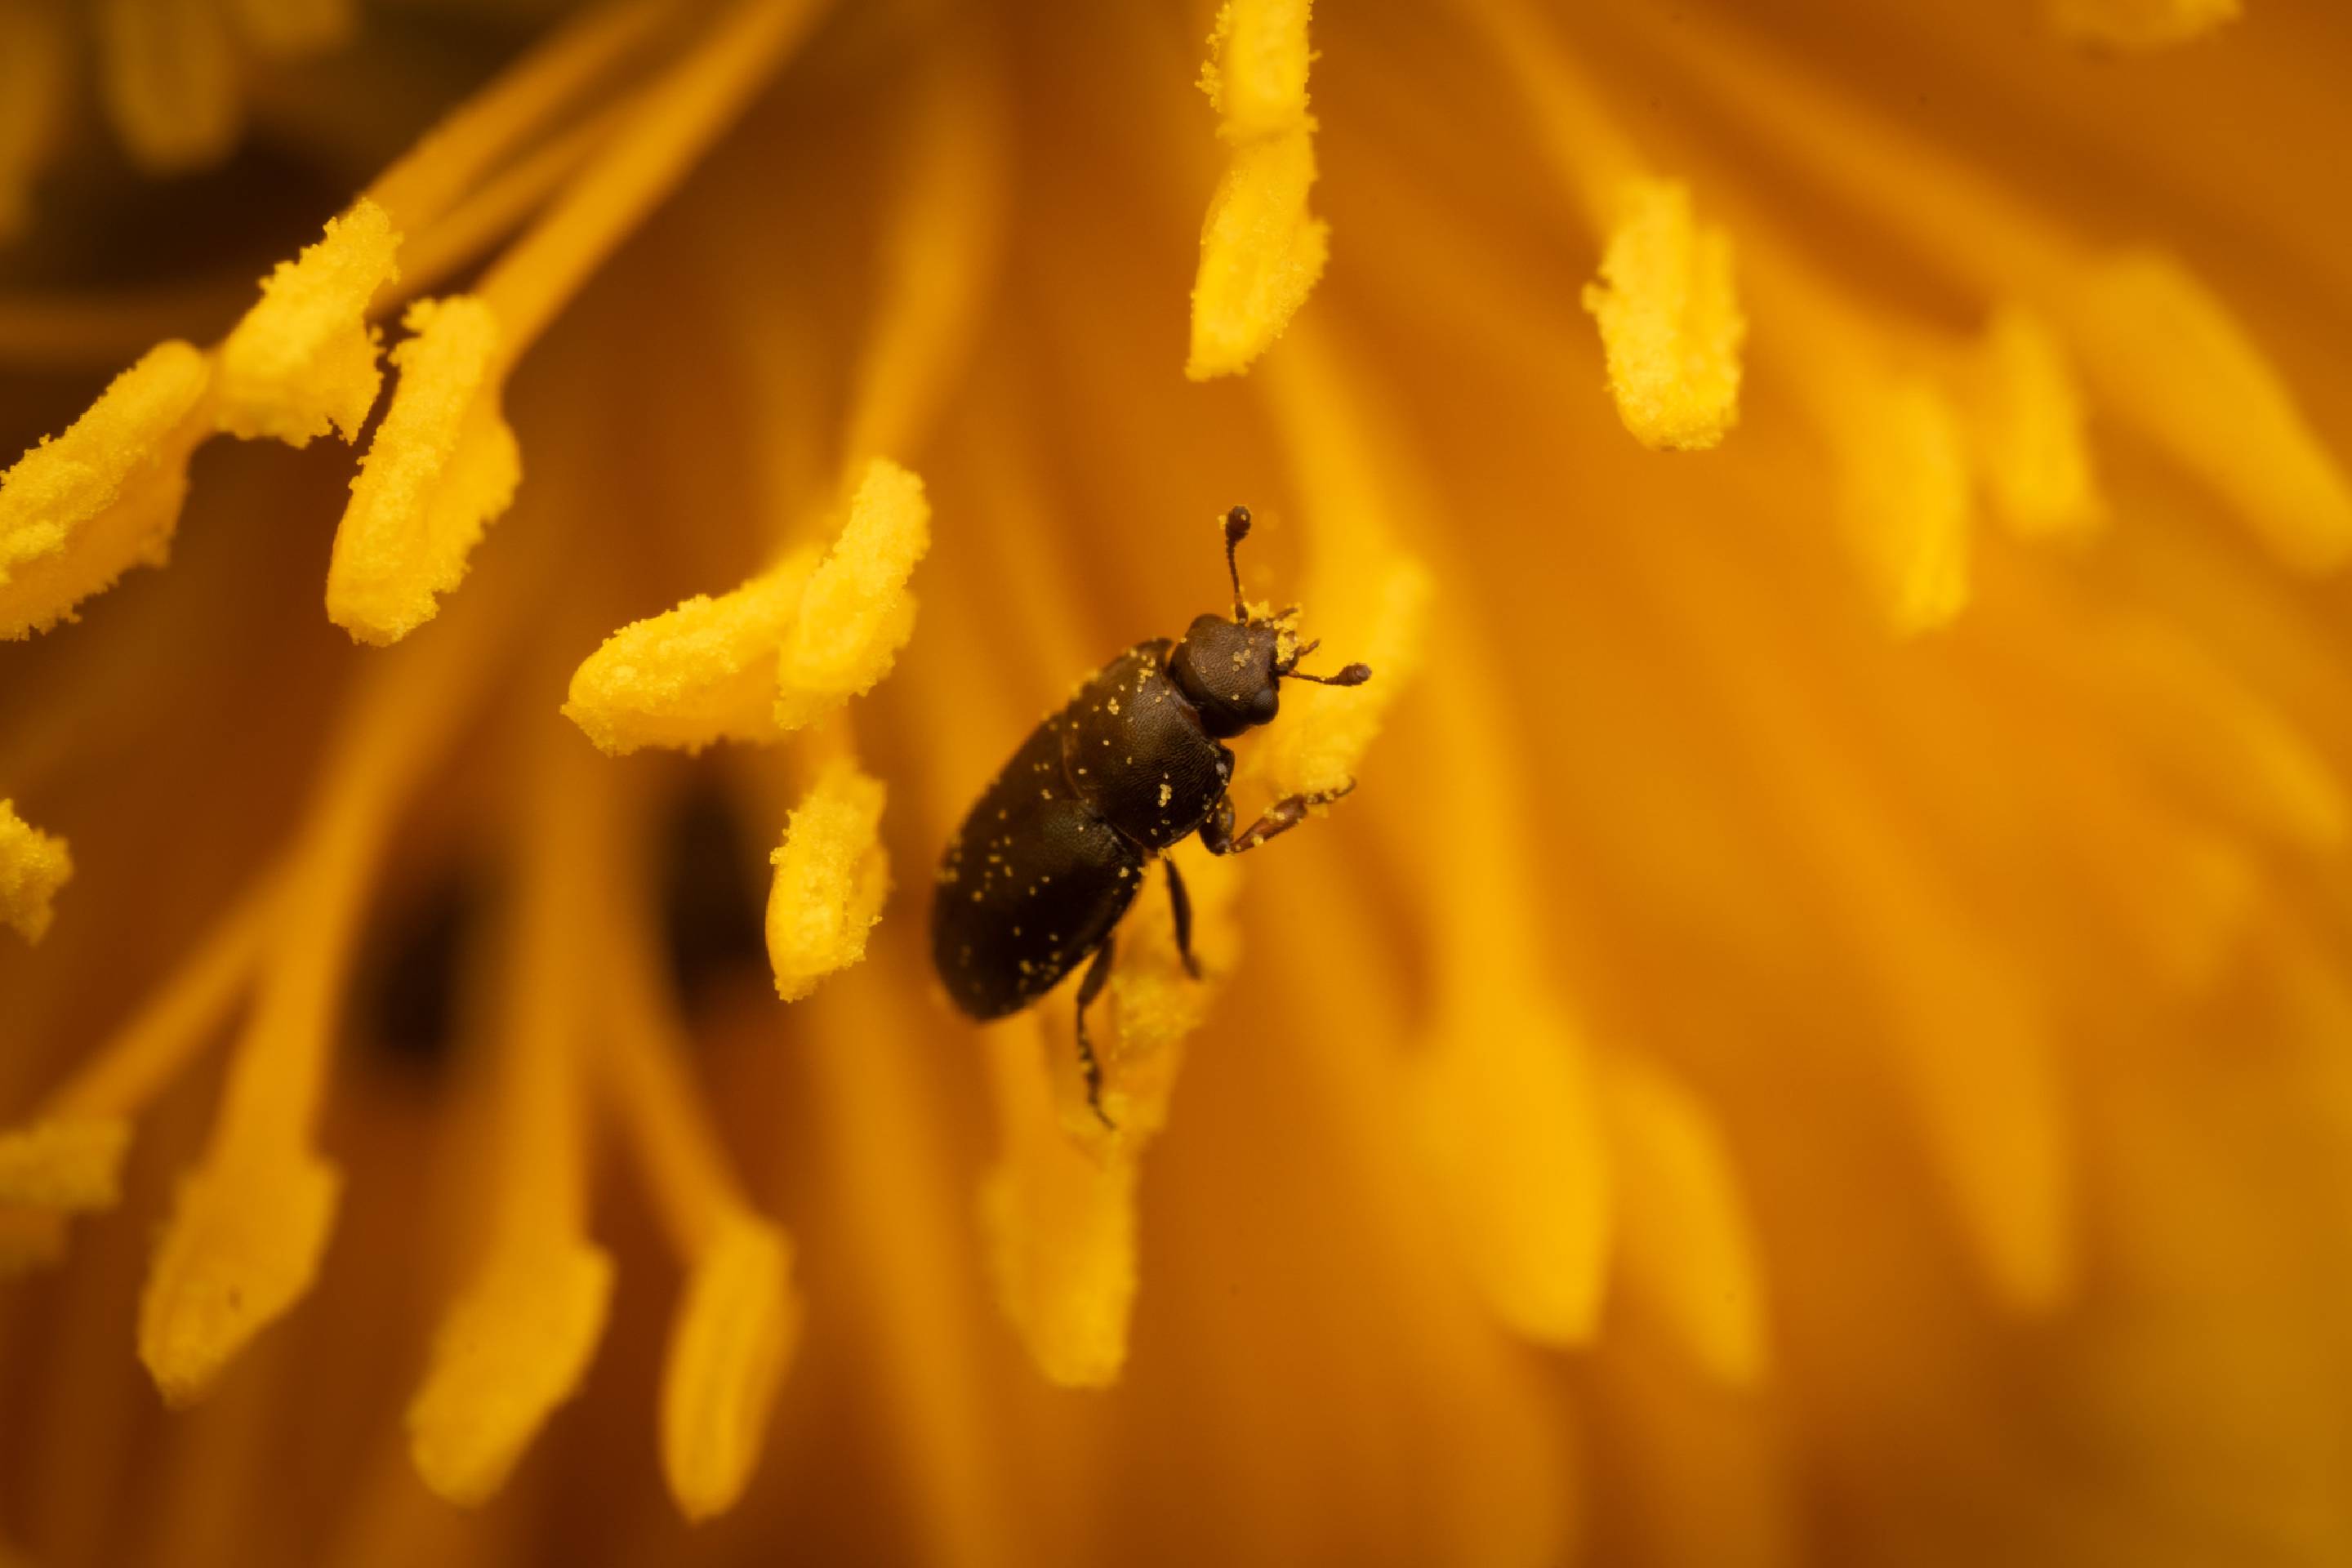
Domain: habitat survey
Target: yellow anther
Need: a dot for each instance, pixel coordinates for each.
(2026, 429)
(64, 1162)
(1669, 319)
(2168, 355)
(1059, 1227)
(514, 1346)
(35, 64)
(728, 1346)
(304, 358)
(1326, 730)
(831, 878)
(243, 1245)
(171, 77)
(1261, 250)
(1904, 498)
(80, 509)
(855, 613)
(2139, 24)
(1683, 1230)
(703, 672)
(442, 466)
(33, 866)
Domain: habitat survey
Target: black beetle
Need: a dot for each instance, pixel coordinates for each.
(1050, 858)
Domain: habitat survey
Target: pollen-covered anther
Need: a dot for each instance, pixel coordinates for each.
(831, 875)
(703, 672)
(2139, 24)
(33, 866)
(855, 613)
(64, 1162)
(443, 466)
(303, 359)
(1670, 320)
(1260, 250)
(729, 1348)
(1320, 744)
(80, 508)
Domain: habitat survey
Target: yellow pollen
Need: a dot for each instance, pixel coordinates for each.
(170, 72)
(2139, 24)
(1669, 320)
(80, 508)
(35, 63)
(1261, 250)
(855, 613)
(831, 875)
(442, 466)
(33, 866)
(703, 672)
(304, 358)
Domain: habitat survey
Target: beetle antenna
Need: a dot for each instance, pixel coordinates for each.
(1237, 526)
(1354, 675)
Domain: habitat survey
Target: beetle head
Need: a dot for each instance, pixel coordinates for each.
(1229, 669)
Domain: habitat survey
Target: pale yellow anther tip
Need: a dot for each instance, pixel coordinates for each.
(695, 675)
(1325, 731)
(64, 1162)
(1510, 1123)
(1904, 502)
(33, 866)
(831, 876)
(443, 466)
(2138, 25)
(303, 359)
(510, 1350)
(729, 1345)
(1262, 251)
(242, 1246)
(81, 508)
(1670, 319)
(855, 613)
(2028, 427)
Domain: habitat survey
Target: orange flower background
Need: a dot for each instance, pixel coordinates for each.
(1823, 1032)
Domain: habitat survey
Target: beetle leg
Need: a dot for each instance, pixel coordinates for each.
(1097, 976)
(1282, 815)
(1180, 903)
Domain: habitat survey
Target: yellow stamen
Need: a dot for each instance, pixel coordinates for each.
(696, 102)
(442, 466)
(1260, 250)
(1507, 1111)
(76, 1144)
(170, 71)
(943, 240)
(855, 613)
(703, 672)
(1669, 319)
(2154, 343)
(2026, 426)
(80, 509)
(831, 878)
(244, 1241)
(2139, 24)
(2167, 355)
(1684, 1234)
(65, 1164)
(304, 358)
(1059, 1225)
(33, 866)
(287, 28)
(35, 67)
(516, 1342)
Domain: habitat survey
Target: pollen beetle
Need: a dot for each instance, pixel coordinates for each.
(1050, 858)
